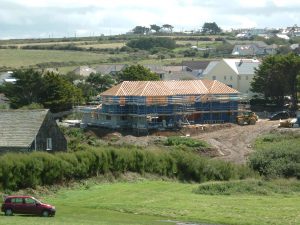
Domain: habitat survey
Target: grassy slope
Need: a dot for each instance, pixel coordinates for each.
(128, 203)
(18, 57)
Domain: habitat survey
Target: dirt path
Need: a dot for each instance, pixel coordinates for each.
(234, 144)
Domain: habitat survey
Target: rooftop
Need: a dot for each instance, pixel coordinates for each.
(169, 88)
(19, 127)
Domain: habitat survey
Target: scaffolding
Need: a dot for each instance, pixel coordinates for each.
(163, 112)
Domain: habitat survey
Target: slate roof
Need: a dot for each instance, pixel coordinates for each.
(242, 66)
(107, 69)
(18, 128)
(84, 71)
(169, 88)
(179, 75)
(196, 65)
(210, 66)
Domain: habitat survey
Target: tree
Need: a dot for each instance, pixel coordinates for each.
(211, 28)
(155, 27)
(137, 73)
(168, 27)
(140, 30)
(147, 43)
(58, 93)
(277, 77)
(100, 82)
(50, 90)
(26, 90)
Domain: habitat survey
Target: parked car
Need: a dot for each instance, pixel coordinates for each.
(26, 205)
(279, 115)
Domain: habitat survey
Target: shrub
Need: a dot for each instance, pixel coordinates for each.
(277, 155)
(250, 186)
(146, 43)
(41, 168)
(189, 142)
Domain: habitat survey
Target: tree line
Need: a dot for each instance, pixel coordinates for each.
(207, 28)
(38, 89)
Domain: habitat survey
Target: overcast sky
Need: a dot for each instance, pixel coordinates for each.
(64, 18)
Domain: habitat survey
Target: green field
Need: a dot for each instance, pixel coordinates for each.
(19, 57)
(104, 45)
(151, 202)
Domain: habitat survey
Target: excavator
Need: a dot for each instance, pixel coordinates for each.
(249, 118)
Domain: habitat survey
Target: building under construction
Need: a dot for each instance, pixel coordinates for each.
(145, 105)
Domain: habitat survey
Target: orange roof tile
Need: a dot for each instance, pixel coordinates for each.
(169, 88)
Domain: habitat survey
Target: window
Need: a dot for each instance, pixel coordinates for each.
(17, 200)
(230, 77)
(49, 144)
(214, 77)
(29, 201)
(239, 77)
(247, 78)
(224, 77)
(108, 117)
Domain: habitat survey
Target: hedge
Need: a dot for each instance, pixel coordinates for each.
(21, 170)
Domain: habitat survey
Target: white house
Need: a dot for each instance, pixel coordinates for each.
(236, 73)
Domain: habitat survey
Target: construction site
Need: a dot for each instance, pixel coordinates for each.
(159, 105)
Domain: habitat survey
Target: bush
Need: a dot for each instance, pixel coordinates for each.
(250, 186)
(189, 142)
(277, 155)
(146, 43)
(41, 168)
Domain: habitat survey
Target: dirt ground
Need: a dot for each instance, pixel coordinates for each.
(234, 144)
(230, 142)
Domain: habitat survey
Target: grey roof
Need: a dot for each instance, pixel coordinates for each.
(19, 127)
(179, 75)
(196, 65)
(84, 71)
(155, 68)
(107, 69)
(246, 67)
(211, 65)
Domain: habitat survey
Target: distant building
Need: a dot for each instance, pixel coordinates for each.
(195, 67)
(172, 72)
(236, 73)
(254, 49)
(30, 130)
(7, 77)
(84, 71)
(112, 69)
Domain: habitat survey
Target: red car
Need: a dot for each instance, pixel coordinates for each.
(26, 205)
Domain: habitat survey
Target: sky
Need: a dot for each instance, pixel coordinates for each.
(69, 18)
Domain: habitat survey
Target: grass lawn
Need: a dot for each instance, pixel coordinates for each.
(19, 57)
(151, 202)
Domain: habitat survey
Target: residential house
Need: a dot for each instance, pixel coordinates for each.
(172, 72)
(254, 49)
(144, 105)
(236, 73)
(195, 67)
(293, 31)
(112, 69)
(30, 130)
(178, 75)
(84, 71)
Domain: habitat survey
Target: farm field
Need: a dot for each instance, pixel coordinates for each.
(153, 202)
(103, 45)
(17, 58)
